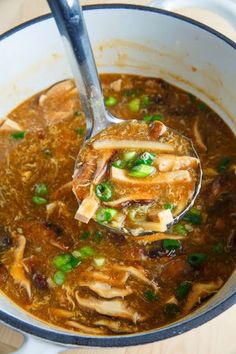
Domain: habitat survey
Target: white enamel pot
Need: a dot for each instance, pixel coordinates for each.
(128, 39)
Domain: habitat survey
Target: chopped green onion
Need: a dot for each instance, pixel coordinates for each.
(183, 290)
(85, 235)
(224, 164)
(39, 200)
(61, 260)
(146, 158)
(111, 101)
(105, 214)
(80, 131)
(86, 252)
(59, 278)
(66, 268)
(171, 245)
(152, 118)
(169, 206)
(180, 229)
(129, 155)
(171, 310)
(18, 135)
(218, 248)
(119, 164)
(193, 217)
(77, 114)
(75, 261)
(196, 259)
(141, 171)
(145, 101)
(41, 189)
(104, 191)
(202, 106)
(137, 213)
(99, 261)
(150, 295)
(98, 236)
(129, 92)
(134, 105)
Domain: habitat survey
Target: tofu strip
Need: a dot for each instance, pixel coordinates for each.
(166, 163)
(132, 144)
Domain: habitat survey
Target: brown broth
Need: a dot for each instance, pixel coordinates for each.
(55, 129)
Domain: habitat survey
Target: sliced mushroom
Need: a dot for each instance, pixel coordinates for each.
(180, 176)
(137, 273)
(83, 177)
(109, 278)
(200, 291)
(157, 129)
(102, 165)
(105, 290)
(17, 268)
(85, 329)
(114, 308)
(58, 207)
(131, 198)
(156, 237)
(116, 326)
(62, 313)
(59, 102)
(198, 137)
(132, 144)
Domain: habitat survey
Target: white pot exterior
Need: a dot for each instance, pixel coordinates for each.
(127, 40)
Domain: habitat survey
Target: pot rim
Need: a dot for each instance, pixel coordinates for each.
(143, 337)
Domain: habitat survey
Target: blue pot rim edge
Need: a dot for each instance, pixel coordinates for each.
(140, 338)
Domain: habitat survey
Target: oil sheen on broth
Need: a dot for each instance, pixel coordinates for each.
(80, 276)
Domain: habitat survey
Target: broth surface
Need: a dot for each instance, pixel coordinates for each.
(87, 279)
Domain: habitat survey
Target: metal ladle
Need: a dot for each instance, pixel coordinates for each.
(70, 22)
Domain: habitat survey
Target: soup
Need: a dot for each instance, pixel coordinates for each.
(134, 177)
(83, 277)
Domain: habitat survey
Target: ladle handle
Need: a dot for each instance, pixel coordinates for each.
(70, 22)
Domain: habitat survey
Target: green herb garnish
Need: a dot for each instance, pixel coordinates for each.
(41, 189)
(39, 200)
(18, 135)
(134, 105)
(105, 214)
(104, 191)
(152, 118)
(150, 295)
(141, 171)
(197, 259)
(171, 245)
(111, 101)
(183, 290)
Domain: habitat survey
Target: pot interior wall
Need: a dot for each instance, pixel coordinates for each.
(127, 41)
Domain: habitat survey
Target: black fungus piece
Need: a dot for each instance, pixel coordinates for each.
(156, 252)
(58, 231)
(40, 281)
(5, 240)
